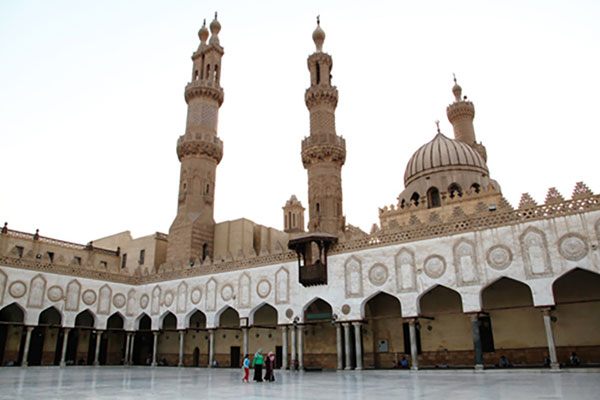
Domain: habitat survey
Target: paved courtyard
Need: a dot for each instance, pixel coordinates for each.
(191, 383)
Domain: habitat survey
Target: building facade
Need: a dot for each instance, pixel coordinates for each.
(452, 275)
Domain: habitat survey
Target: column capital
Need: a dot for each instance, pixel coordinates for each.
(412, 320)
(357, 323)
(547, 311)
(155, 333)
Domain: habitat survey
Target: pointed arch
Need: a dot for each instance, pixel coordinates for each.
(50, 316)
(505, 292)
(577, 284)
(227, 317)
(13, 312)
(376, 297)
(195, 319)
(167, 321)
(85, 319)
(317, 308)
(143, 322)
(263, 314)
(115, 321)
(439, 298)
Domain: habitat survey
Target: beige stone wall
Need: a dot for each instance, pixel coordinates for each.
(154, 246)
(243, 238)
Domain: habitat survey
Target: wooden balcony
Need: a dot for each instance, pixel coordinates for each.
(312, 264)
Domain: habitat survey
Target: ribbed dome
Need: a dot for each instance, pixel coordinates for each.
(442, 154)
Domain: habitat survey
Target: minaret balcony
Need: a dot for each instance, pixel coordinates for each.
(200, 145)
(204, 88)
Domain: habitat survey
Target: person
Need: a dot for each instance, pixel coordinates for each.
(257, 363)
(215, 364)
(547, 362)
(246, 367)
(402, 364)
(503, 363)
(574, 360)
(270, 364)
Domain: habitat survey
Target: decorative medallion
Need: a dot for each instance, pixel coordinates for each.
(346, 309)
(168, 300)
(263, 288)
(434, 266)
(499, 257)
(55, 293)
(196, 295)
(289, 313)
(89, 297)
(378, 274)
(119, 300)
(227, 292)
(144, 300)
(572, 246)
(17, 289)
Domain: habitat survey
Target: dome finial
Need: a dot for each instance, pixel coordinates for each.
(437, 123)
(319, 35)
(456, 89)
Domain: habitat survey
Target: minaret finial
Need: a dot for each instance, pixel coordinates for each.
(437, 123)
(319, 35)
(454, 76)
(319, 20)
(456, 89)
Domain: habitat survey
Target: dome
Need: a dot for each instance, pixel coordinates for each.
(203, 33)
(443, 154)
(318, 37)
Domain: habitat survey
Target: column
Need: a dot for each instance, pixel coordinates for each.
(245, 333)
(181, 339)
(211, 347)
(284, 345)
(476, 341)
(414, 354)
(300, 332)
(63, 353)
(131, 348)
(28, 330)
(97, 353)
(547, 312)
(293, 349)
(340, 354)
(346, 326)
(358, 343)
(127, 344)
(154, 348)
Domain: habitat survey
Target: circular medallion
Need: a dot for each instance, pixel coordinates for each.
(55, 293)
(499, 257)
(168, 299)
(17, 289)
(572, 246)
(378, 274)
(144, 301)
(227, 292)
(119, 300)
(89, 297)
(196, 295)
(263, 288)
(289, 313)
(434, 266)
(346, 309)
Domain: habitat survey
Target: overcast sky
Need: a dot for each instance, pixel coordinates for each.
(91, 102)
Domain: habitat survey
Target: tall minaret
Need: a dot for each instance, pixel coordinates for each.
(461, 114)
(199, 150)
(323, 152)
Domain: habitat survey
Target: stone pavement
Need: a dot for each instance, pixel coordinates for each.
(171, 383)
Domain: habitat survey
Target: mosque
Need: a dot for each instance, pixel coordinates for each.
(451, 276)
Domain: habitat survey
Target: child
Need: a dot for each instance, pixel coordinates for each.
(246, 366)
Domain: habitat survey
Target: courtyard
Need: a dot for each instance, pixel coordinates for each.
(199, 383)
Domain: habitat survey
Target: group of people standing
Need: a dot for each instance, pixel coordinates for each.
(257, 363)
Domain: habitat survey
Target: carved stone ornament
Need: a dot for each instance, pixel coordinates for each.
(499, 257)
(17, 289)
(227, 292)
(434, 266)
(378, 274)
(346, 309)
(573, 247)
(89, 297)
(196, 295)
(289, 313)
(55, 293)
(169, 297)
(263, 288)
(144, 300)
(119, 300)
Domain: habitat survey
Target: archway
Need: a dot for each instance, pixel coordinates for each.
(196, 340)
(263, 333)
(143, 342)
(228, 339)
(44, 338)
(383, 341)
(446, 334)
(576, 321)
(80, 339)
(12, 338)
(516, 329)
(168, 341)
(112, 344)
(320, 340)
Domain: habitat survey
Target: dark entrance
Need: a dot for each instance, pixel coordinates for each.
(234, 357)
(143, 343)
(196, 362)
(36, 344)
(59, 344)
(278, 356)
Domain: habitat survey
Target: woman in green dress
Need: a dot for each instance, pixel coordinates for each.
(258, 363)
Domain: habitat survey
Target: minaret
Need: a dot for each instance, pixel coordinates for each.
(461, 114)
(323, 152)
(199, 150)
(293, 216)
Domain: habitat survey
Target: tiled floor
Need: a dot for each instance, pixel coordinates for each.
(171, 383)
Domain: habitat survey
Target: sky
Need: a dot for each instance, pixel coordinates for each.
(91, 103)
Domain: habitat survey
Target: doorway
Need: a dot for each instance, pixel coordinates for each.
(234, 357)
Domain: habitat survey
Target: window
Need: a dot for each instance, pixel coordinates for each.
(20, 251)
(50, 256)
(207, 188)
(415, 198)
(476, 188)
(196, 75)
(142, 256)
(78, 260)
(455, 190)
(204, 251)
(318, 74)
(202, 68)
(433, 198)
(216, 73)
(124, 260)
(104, 264)
(406, 331)
(318, 209)
(293, 220)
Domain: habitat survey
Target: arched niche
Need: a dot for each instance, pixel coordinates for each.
(85, 319)
(264, 315)
(197, 320)
(228, 318)
(115, 321)
(12, 313)
(50, 316)
(168, 321)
